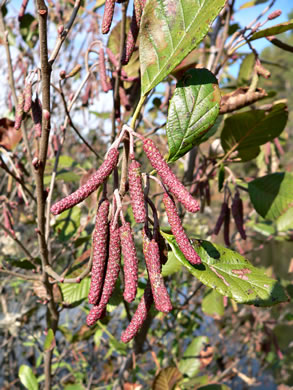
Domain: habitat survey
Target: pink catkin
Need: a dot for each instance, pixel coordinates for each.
(27, 97)
(90, 186)
(19, 112)
(100, 239)
(133, 32)
(136, 192)
(178, 231)
(168, 177)
(108, 16)
(112, 272)
(139, 316)
(106, 85)
(130, 262)
(159, 291)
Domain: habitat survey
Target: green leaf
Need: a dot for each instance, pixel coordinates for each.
(231, 274)
(213, 304)
(167, 379)
(274, 30)
(169, 31)
(272, 198)
(190, 363)
(75, 292)
(193, 109)
(67, 223)
(29, 29)
(246, 70)
(252, 3)
(244, 132)
(172, 265)
(27, 377)
(50, 342)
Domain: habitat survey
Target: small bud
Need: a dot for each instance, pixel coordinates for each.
(46, 114)
(62, 74)
(36, 162)
(74, 71)
(60, 29)
(274, 14)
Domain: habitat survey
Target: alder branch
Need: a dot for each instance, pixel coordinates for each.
(5, 42)
(280, 44)
(19, 275)
(63, 35)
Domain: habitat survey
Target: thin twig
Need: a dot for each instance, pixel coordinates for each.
(21, 276)
(19, 243)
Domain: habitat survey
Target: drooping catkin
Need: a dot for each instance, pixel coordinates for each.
(90, 186)
(178, 231)
(139, 316)
(36, 114)
(159, 291)
(132, 35)
(168, 177)
(105, 83)
(227, 227)
(130, 262)
(136, 192)
(100, 249)
(108, 15)
(112, 272)
(221, 218)
(19, 112)
(27, 97)
(237, 212)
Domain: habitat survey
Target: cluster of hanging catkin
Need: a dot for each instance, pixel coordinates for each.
(112, 234)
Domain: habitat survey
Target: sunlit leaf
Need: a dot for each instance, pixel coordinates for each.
(231, 274)
(213, 304)
(50, 342)
(167, 379)
(75, 292)
(169, 31)
(193, 109)
(27, 377)
(274, 30)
